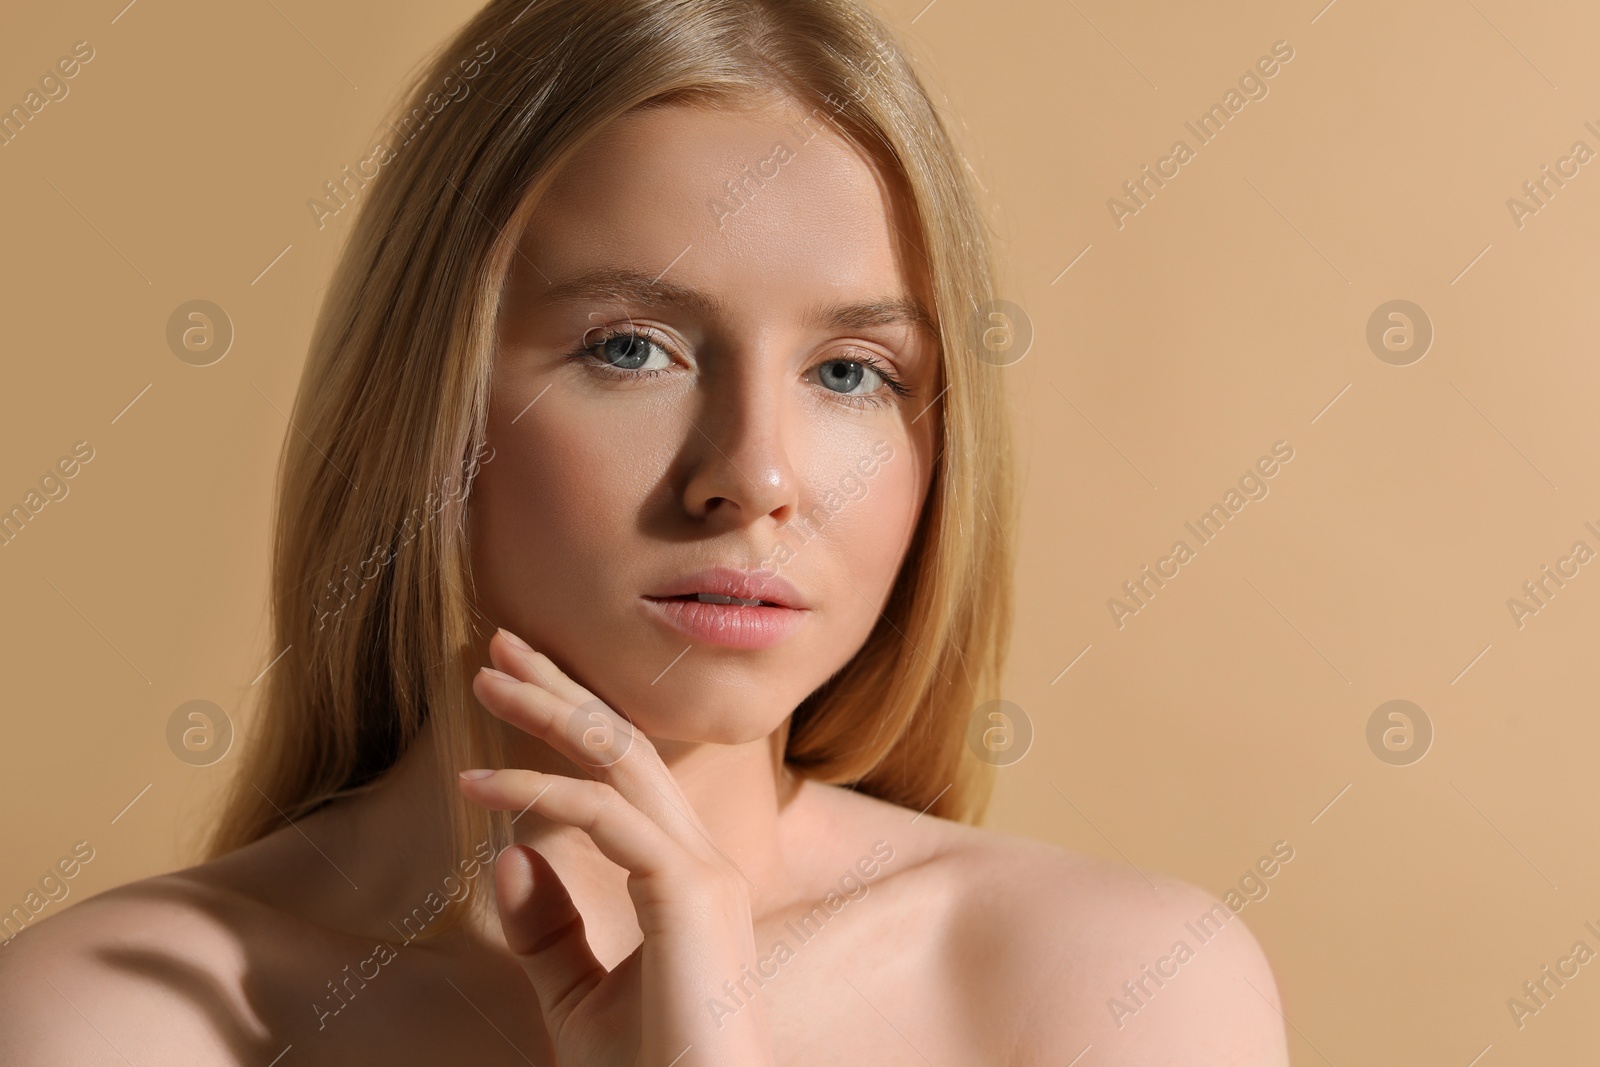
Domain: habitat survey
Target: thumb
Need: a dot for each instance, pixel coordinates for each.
(544, 931)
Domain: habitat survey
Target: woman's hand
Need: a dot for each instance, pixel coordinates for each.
(655, 1008)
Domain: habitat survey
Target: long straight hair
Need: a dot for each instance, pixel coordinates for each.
(371, 581)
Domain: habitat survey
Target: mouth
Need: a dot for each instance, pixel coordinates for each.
(718, 598)
(726, 621)
(731, 586)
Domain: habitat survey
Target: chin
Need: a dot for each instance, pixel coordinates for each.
(704, 714)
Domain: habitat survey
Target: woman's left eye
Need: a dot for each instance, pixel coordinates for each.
(845, 376)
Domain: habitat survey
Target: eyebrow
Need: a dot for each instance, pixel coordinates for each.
(639, 287)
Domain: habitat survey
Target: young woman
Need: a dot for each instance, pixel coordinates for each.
(642, 557)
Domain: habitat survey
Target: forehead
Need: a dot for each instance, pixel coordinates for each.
(765, 202)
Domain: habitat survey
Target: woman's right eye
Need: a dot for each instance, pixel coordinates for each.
(628, 350)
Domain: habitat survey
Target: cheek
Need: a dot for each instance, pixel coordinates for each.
(552, 514)
(869, 533)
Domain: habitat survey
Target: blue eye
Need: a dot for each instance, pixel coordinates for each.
(850, 373)
(848, 377)
(627, 350)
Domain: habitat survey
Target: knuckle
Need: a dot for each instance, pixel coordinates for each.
(603, 805)
(638, 740)
(607, 800)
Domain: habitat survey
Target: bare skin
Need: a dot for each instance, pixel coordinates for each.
(934, 942)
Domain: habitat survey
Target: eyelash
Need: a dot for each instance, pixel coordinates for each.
(892, 382)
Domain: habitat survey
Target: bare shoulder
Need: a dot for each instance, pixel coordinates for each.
(1150, 969)
(152, 971)
(1060, 950)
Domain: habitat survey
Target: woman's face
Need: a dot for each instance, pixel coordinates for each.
(694, 371)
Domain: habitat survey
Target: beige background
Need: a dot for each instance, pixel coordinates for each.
(1228, 314)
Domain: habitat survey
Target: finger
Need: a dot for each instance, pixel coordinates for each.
(513, 655)
(623, 834)
(595, 735)
(544, 930)
(596, 732)
(588, 732)
(638, 775)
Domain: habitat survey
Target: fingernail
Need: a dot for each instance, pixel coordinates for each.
(474, 775)
(500, 675)
(514, 639)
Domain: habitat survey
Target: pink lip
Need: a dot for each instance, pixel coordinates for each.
(731, 625)
(727, 581)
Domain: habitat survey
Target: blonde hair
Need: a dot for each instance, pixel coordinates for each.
(392, 405)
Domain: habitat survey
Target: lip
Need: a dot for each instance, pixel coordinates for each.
(729, 581)
(731, 625)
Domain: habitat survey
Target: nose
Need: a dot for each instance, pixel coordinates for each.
(741, 467)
